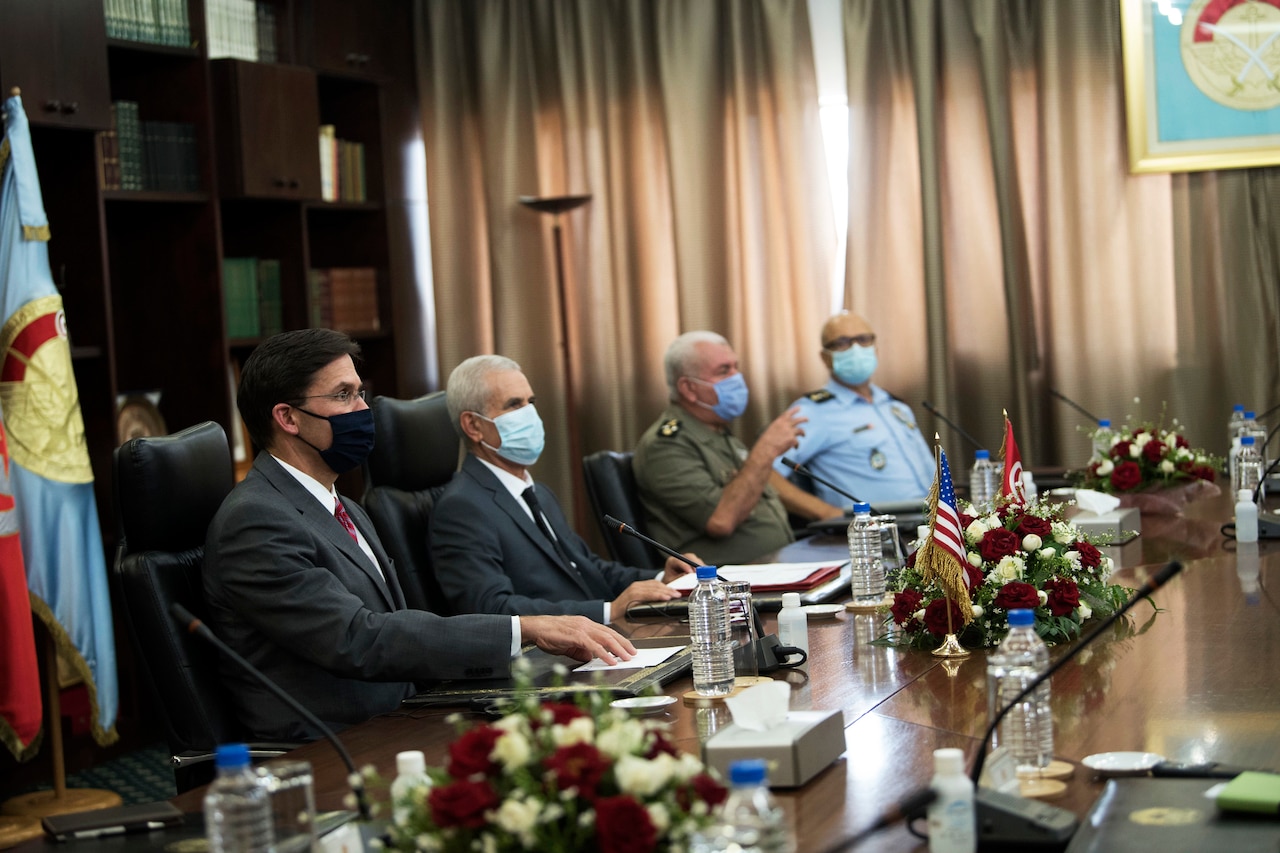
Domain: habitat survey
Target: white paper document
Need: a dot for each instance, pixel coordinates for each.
(765, 574)
(644, 658)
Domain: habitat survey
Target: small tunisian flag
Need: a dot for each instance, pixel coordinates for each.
(1011, 488)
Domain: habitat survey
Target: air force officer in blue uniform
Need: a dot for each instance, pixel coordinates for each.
(859, 436)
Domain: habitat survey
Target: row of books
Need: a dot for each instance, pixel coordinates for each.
(342, 175)
(241, 29)
(251, 297)
(152, 21)
(344, 298)
(147, 155)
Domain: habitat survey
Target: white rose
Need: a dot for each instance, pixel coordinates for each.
(1105, 568)
(1140, 441)
(1073, 557)
(975, 559)
(512, 750)
(977, 611)
(1009, 568)
(659, 817)
(643, 778)
(1105, 467)
(1063, 533)
(577, 730)
(975, 531)
(621, 739)
(1135, 450)
(1166, 467)
(1047, 554)
(918, 615)
(1031, 542)
(518, 817)
(1084, 611)
(1043, 596)
(1183, 454)
(428, 843)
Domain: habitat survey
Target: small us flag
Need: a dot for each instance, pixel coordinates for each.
(946, 521)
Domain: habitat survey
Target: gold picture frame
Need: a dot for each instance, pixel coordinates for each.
(1202, 84)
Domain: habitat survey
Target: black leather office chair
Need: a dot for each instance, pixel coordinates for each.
(611, 488)
(167, 490)
(415, 453)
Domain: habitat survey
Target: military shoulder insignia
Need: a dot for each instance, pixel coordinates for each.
(820, 396)
(905, 417)
(669, 428)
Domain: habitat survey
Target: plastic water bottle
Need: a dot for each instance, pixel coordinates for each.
(1102, 438)
(1027, 730)
(1233, 425)
(712, 643)
(866, 556)
(237, 808)
(753, 820)
(1029, 490)
(953, 824)
(1246, 466)
(793, 623)
(1246, 518)
(411, 774)
(984, 482)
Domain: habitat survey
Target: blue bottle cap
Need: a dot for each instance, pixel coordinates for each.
(982, 454)
(1248, 415)
(706, 573)
(861, 508)
(231, 755)
(748, 771)
(1238, 407)
(1022, 618)
(1104, 424)
(1246, 440)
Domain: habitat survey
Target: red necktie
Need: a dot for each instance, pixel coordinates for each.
(340, 513)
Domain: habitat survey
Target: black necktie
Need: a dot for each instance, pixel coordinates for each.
(531, 498)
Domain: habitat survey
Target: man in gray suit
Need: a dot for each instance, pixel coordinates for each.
(297, 582)
(499, 541)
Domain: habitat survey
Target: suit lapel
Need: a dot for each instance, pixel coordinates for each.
(325, 525)
(514, 508)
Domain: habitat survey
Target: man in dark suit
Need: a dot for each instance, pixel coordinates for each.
(499, 542)
(297, 582)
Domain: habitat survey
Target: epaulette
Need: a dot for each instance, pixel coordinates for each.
(820, 396)
(669, 428)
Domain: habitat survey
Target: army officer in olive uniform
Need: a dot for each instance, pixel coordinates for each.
(859, 437)
(701, 488)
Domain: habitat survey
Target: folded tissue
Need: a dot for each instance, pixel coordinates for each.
(797, 744)
(1102, 517)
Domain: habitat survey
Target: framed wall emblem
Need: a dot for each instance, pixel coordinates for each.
(1202, 83)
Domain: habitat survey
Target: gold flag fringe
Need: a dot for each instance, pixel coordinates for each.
(69, 653)
(935, 564)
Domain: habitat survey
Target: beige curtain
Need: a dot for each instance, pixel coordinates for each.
(1002, 248)
(694, 127)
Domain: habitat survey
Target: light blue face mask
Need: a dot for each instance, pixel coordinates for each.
(521, 434)
(731, 396)
(855, 365)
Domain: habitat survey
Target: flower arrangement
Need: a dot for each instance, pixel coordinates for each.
(558, 776)
(1145, 456)
(1017, 557)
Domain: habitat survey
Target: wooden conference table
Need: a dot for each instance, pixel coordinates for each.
(1196, 682)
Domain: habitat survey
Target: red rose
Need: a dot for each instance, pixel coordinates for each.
(1090, 557)
(1126, 476)
(911, 559)
(462, 803)
(1204, 472)
(562, 713)
(935, 617)
(998, 543)
(469, 754)
(1016, 595)
(1034, 524)
(623, 826)
(702, 788)
(976, 577)
(659, 745)
(579, 765)
(905, 604)
(1179, 441)
(1120, 450)
(1064, 596)
(1153, 452)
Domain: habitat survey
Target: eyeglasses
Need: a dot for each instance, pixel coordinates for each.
(343, 397)
(843, 343)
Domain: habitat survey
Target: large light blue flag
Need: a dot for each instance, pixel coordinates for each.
(51, 478)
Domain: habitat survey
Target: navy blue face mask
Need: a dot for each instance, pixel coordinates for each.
(352, 439)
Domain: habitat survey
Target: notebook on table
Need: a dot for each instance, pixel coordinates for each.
(833, 588)
(547, 684)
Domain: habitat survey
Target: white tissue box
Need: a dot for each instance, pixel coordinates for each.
(797, 749)
(1111, 528)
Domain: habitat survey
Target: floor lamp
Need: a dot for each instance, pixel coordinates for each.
(557, 206)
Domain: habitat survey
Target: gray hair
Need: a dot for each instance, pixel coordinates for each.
(682, 356)
(468, 390)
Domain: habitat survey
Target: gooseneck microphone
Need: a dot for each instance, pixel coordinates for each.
(1073, 404)
(952, 424)
(623, 527)
(195, 626)
(800, 469)
(904, 809)
(1158, 580)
